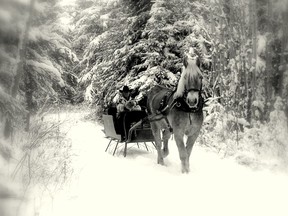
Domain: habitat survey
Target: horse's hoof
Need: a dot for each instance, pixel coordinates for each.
(185, 170)
(165, 153)
(161, 162)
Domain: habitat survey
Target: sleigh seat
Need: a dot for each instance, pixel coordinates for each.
(133, 129)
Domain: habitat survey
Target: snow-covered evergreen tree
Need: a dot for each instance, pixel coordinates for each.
(143, 49)
(12, 22)
(36, 56)
(50, 58)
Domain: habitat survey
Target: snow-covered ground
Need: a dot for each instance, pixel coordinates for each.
(113, 185)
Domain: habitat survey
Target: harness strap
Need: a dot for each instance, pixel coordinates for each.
(168, 124)
(180, 104)
(162, 114)
(193, 89)
(166, 119)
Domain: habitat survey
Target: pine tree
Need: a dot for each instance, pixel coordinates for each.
(10, 63)
(145, 47)
(42, 53)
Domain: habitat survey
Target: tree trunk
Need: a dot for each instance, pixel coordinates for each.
(214, 62)
(252, 60)
(269, 68)
(29, 89)
(19, 67)
(222, 86)
(254, 49)
(22, 50)
(283, 62)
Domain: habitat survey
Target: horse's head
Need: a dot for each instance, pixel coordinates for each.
(190, 83)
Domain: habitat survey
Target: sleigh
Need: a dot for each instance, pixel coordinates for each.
(129, 128)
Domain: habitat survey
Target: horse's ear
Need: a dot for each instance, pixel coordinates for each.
(185, 61)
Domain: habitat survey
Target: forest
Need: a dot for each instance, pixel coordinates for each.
(60, 56)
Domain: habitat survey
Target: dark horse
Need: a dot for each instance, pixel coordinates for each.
(179, 112)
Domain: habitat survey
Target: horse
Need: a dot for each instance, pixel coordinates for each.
(179, 112)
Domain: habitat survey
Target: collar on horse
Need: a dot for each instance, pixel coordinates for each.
(179, 103)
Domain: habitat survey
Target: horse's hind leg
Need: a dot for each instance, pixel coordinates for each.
(165, 150)
(166, 137)
(158, 142)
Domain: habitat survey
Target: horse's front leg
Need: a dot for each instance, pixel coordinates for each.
(189, 146)
(194, 133)
(182, 152)
(190, 142)
(157, 137)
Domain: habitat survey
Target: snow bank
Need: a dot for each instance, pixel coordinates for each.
(136, 185)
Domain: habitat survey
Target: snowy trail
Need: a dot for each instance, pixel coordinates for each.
(136, 185)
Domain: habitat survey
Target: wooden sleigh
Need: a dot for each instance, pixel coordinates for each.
(135, 129)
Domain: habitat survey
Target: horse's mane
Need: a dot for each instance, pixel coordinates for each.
(189, 73)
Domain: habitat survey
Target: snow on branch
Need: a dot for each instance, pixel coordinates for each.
(9, 105)
(46, 67)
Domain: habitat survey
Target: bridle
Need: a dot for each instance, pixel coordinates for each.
(186, 91)
(182, 102)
